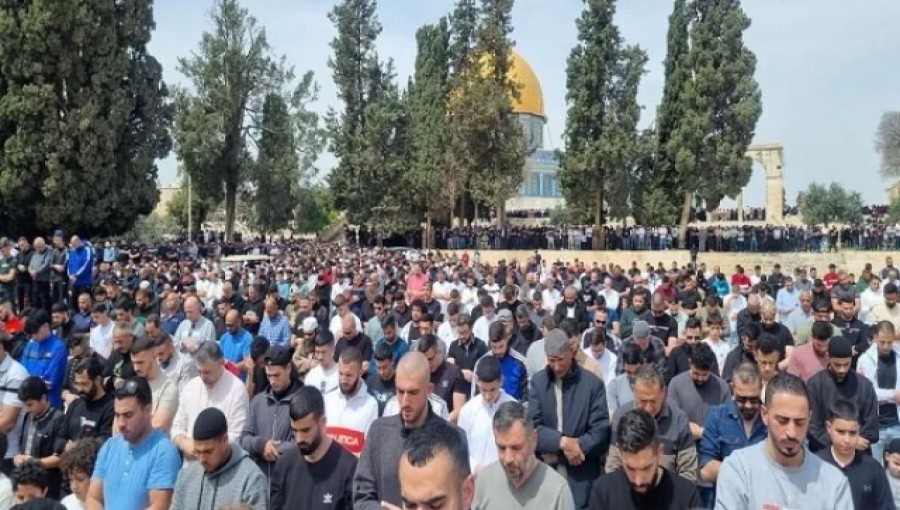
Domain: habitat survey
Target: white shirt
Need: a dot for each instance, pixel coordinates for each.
(550, 298)
(228, 394)
(338, 330)
(102, 339)
(442, 289)
(447, 333)
(469, 298)
(12, 373)
(493, 290)
(607, 363)
(867, 302)
(476, 420)
(612, 298)
(482, 326)
(348, 419)
(721, 350)
(324, 380)
(201, 331)
(71, 502)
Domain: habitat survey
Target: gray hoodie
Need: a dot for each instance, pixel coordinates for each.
(40, 264)
(238, 481)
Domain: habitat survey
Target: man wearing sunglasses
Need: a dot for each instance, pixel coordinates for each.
(138, 467)
(731, 426)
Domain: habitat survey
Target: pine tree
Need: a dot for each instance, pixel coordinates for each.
(276, 176)
(430, 179)
(85, 115)
(493, 138)
(601, 127)
(353, 66)
(720, 107)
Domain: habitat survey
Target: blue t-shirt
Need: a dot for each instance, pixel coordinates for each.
(236, 348)
(129, 472)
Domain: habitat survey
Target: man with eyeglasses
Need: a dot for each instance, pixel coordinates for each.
(679, 360)
(732, 425)
(138, 467)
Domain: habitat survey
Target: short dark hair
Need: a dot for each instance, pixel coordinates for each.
(464, 319)
(714, 320)
(420, 304)
(488, 369)
(569, 327)
(424, 443)
(32, 474)
(125, 303)
(388, 321)
(598, 336)
(426, 343)
(452, 309)
(81, 457)
(324, 338)
(306, 401)
(351, 355)
(259, 346)
(384, 352)
(886, 327)
(100, 308)
(92, 366)
(141, 344)
(751, 331)
(496, 331)
(35, 320)
(787, 384)
(702, 357)
(32, 388)
(426, 317)
(767, 344)
(693, 322)
(636, 431)
(821, 330)
(631, 354)
(843, 410)
(59, 308)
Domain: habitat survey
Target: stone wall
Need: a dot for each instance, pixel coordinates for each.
(852, 261)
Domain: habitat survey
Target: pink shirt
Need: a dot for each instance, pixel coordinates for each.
(415, 285)
(804, 362)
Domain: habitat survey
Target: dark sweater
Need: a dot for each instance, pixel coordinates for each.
(298, 484)
(826, 391)
(613, 492)
(869, 485)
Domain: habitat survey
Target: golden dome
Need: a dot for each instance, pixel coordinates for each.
(531, 97)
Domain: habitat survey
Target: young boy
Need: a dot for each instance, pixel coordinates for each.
(43, 439)
(892, 465)
(30, 482)
(77, 464)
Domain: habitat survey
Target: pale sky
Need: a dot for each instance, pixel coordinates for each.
(827, 68)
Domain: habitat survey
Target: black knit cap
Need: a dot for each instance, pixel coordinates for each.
(210, 424)
(839, 347)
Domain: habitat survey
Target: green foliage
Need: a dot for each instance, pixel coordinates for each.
(887, 143)
(488, 141)
(275, 174)
(671, 112)
(820, 205)
(894, 210)
(315, 210)
(232, 73)
(152, 229)
(602, 150)
(200, 207)
(718, 108)
(431, 181)
(85, 115)
(357, 76)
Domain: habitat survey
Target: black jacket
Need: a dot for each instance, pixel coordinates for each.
(734, 359)
(680, 361)
(49, 439)
(826, 391)
(585, 417)
(581, 315)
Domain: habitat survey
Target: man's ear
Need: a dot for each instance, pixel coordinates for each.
(468, 491)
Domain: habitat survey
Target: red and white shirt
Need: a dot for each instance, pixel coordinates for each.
(348, 418)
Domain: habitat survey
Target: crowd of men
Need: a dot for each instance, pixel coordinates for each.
(709, 238)
(328, 376)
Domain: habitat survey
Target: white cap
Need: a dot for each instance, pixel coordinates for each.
(310, 324)
(144, 285)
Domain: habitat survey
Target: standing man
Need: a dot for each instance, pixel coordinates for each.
(793, 477)
(519, 480)
(879, 364)
(841, 382)
(223, 474)
(868, 484)
(351, 410)
(45, 355)
(8, 269)
(476, 417)
(213, 387)
(39, 271)
(568, 406)
(136, 468)
(267, 432)
(434, 467)
(80, 267)
(377, 480)
(642, 483)
(59, 288)
(315, 471)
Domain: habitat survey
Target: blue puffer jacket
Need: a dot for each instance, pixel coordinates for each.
(81, 265)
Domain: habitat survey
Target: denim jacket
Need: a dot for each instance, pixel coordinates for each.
(723, 433)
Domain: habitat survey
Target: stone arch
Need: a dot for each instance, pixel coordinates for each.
(771, 157)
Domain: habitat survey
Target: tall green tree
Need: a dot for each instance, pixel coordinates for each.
(887, 143)
(276, 176)
(492, 138)
(431, 180)
(231, 73)
(357, 74)
(85, 115)
(821, 205)
(671, 112)
(603, 76)
(721, 107)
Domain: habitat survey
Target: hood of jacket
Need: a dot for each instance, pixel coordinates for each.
(237, 455)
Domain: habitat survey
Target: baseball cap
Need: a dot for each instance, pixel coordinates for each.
(278, 355)
(640, 329)
(310, 324)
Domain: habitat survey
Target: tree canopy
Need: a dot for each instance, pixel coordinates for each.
(887, 143)
(821, 205)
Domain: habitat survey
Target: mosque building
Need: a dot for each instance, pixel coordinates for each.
(540, 189)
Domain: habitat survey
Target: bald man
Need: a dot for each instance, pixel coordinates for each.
(195, 328)
(352, 336)
(235, 342)
(377, 481)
